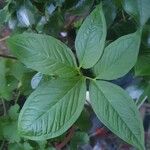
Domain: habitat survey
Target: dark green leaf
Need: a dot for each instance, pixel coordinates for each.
(142, 67)
(118, 57)
(44, 54)
(52, 108)
(118, 112)
(20, 146)
(79, 139)
(139, 9)
(81, 7)
(83, 122)
(10, 132)
(90, 39)
(110, 11)
(13, 112)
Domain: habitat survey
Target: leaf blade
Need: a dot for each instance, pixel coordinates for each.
(42, 118)
(139, 9)
(90, 39)
(113, 63)
(43, 53)
(118, 112)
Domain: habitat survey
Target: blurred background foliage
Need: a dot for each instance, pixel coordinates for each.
(62, 19)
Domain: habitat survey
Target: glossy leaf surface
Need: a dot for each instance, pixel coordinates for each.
(52, 108)
(118, 57)
(44, 54)
(118, 112)
(90, 39)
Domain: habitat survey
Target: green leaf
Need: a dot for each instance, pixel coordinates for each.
(142, 67)
(10, 132)
(17, 69)
(81, 7)
(79, 139)
(4, 90)
(90, 39)
(44, 54)
(13, 112)
(20, 146)
(118, 112)
(139, 9)
(52, 108)
(118, 57)
(36, 80)
(4, 15)
(25, 83)
(83, 121)
(110, 11)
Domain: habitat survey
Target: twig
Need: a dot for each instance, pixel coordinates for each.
(17, 98)
(124, 18)
(3, 39)
(4, 107)
(141, 102)
(66, 139)
(9, 57)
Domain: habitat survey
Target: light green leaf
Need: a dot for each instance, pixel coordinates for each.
(52, 108)
(139, 9)
(36, 80)
(90, 39)
(118, 57)
(44, 54)
(118, 112)
(142, 67)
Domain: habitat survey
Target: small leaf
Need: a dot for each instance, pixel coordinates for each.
(79, 139)
(118, 112)
(44, 54)
(52, 108)
(36, 80)
(81, 7)
(118, 57)
(142, 67)
(139, 9)
(90, 39)
(4, 90)
(13, 112)
(110, 11)
(10, 132)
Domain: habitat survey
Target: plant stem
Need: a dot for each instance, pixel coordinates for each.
(124, 18)
(3, 39)
(90, 78)
(17, 98)
(4, 106)
(9, 57)
(141, 102)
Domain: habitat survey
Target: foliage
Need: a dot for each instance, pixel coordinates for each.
(111, 41)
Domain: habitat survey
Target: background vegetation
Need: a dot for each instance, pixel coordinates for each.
(62, 19)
